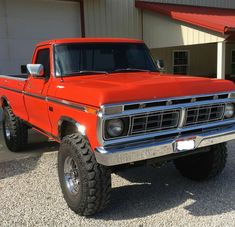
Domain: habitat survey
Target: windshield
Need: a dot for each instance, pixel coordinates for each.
(71, 59)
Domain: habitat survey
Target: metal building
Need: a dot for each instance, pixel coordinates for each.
(192, 36)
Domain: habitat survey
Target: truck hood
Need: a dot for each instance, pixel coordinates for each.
(96, 90)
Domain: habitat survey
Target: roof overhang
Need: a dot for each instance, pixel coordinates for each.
(214, 19)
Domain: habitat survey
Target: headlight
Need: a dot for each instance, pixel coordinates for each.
(232, 95)
(114, 127)
(229, 111)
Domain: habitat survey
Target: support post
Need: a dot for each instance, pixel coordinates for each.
(221, 51)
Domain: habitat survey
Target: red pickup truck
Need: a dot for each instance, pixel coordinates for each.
(107, 104)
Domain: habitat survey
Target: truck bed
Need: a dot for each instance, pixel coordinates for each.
(22, 76)
(11, 88)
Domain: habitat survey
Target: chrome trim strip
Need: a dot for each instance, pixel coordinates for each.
(49, 99)
(182, 118)
(66, 103)
(143, 150)
(99, 127)
(11, 89)
(34, 95)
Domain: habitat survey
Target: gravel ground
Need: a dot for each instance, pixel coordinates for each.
(30, 196)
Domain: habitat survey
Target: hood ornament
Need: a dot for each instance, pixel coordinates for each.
(169, 102)
(142, 105)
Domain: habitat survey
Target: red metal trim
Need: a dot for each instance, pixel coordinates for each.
(215, 19)
(89, 40)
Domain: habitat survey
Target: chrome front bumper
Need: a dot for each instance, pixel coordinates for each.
(143, 150)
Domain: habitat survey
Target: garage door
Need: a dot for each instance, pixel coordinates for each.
(24, 23)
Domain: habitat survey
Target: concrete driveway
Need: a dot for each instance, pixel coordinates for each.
(30, 194)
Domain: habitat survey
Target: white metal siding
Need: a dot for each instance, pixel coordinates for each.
(211, 3)
(199, 65)
(112, 18)
(25, 23)
(161, 31)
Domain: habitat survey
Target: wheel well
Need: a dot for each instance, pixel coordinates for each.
(67, 128)
(4, 102)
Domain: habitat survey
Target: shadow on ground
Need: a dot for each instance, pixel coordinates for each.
(12, 168)
(12, 164)
(144, 191)
(40, 143)
(153, 191)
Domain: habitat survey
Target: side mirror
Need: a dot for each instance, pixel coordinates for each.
(36, 70)
(160, 65)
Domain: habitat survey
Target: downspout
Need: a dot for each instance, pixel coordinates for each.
(142, 24)
(141, 20)
(82, 19)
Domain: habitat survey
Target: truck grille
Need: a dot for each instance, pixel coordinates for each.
(155, 121)
(179, 115)
(204, 114)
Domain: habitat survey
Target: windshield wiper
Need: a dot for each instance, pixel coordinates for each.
(130, 70)
(86, 72)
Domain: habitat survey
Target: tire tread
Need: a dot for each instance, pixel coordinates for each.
(19, 131)
(96, 176)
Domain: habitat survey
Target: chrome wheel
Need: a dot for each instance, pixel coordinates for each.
(71, 176)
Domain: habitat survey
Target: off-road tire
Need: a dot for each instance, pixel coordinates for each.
(17, 138)
(203, 166)
(95, 179)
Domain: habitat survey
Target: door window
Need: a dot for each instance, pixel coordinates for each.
(43, 57)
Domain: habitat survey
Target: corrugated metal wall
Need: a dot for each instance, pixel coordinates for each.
(120, 18)
(211, 3)
(112, 18)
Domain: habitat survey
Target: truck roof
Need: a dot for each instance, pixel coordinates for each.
(89, 40)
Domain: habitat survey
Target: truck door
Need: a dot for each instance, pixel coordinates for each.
(36, 91)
